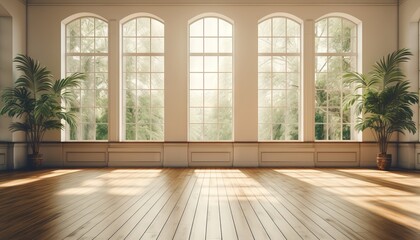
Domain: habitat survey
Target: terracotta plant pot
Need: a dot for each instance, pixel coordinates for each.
(383, 161)
(35, 161)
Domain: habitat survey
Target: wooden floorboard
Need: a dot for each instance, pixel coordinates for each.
(250, 203)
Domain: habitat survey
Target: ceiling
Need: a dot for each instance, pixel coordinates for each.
(180, 2)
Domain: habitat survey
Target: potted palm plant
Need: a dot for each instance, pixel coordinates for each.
(383, 98)
(35, 103)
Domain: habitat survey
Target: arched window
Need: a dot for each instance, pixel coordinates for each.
(86, 50)
(143, 79)
(279, 79)
(210, 80)
(336, 52)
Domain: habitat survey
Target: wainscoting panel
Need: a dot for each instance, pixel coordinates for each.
(337, 156)
(85, 154)
(135, 155)
(286, 155)
(210, 155)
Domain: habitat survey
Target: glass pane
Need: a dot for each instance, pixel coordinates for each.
(143, 27)
(225, 131)
(73, 28)
(225, 80)
(279, 64)
(157, 64)
(196, 64)
(279, 98)
(130, 98)
(196, 98)
(210, 132)
(157, 115)
(130, 131)
(101, 45)
(143, 64)
(129, 28)
(264, 115)
(87, 45)
(225, 45)
(143, 81)
(264, 28)
(101, 28)
(87, 27)
(101, 64)
(320, 115)
(73, 45)
(210, 64)
(293, 28)
(129, 64)
(264, 64)
(196, 132)
(210, 45)
(157, 98)
(210, 98)
(196, 81)
(225, 64)
(73, 64)
(279, 115)
(264, 131)
(278, 132)
(264, 98)
(196, 45)
(279, 27)
(264, 81)
(157, 45)
(320, 132)
(225, 115)
(196, 28)
(264, 45)
(101, 115)
(321, 45)
(129, 45)
(279, 45)
(279, 81)
(321, 98)
(225, 28)
(143, 45)
(87, 64)
(157, 80)
(196, 115)
(158, 29)
(293, 64)
(88, 131)
(321, 28)
(293, 45)
(143, 98)
(210, 81)
(101, 98)
(225, 98)
(210, 26)
(101, 80)
(210, 115)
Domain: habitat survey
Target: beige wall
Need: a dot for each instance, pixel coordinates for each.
(409, 35)
(13, 40)
(379, 32)
(379, 24)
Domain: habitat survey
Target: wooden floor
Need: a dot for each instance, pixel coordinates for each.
(194, 204)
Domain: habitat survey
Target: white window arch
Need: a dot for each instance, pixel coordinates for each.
(85, 40)
(210, 79)
(142, 58)
(337, 50)
(279, 77)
